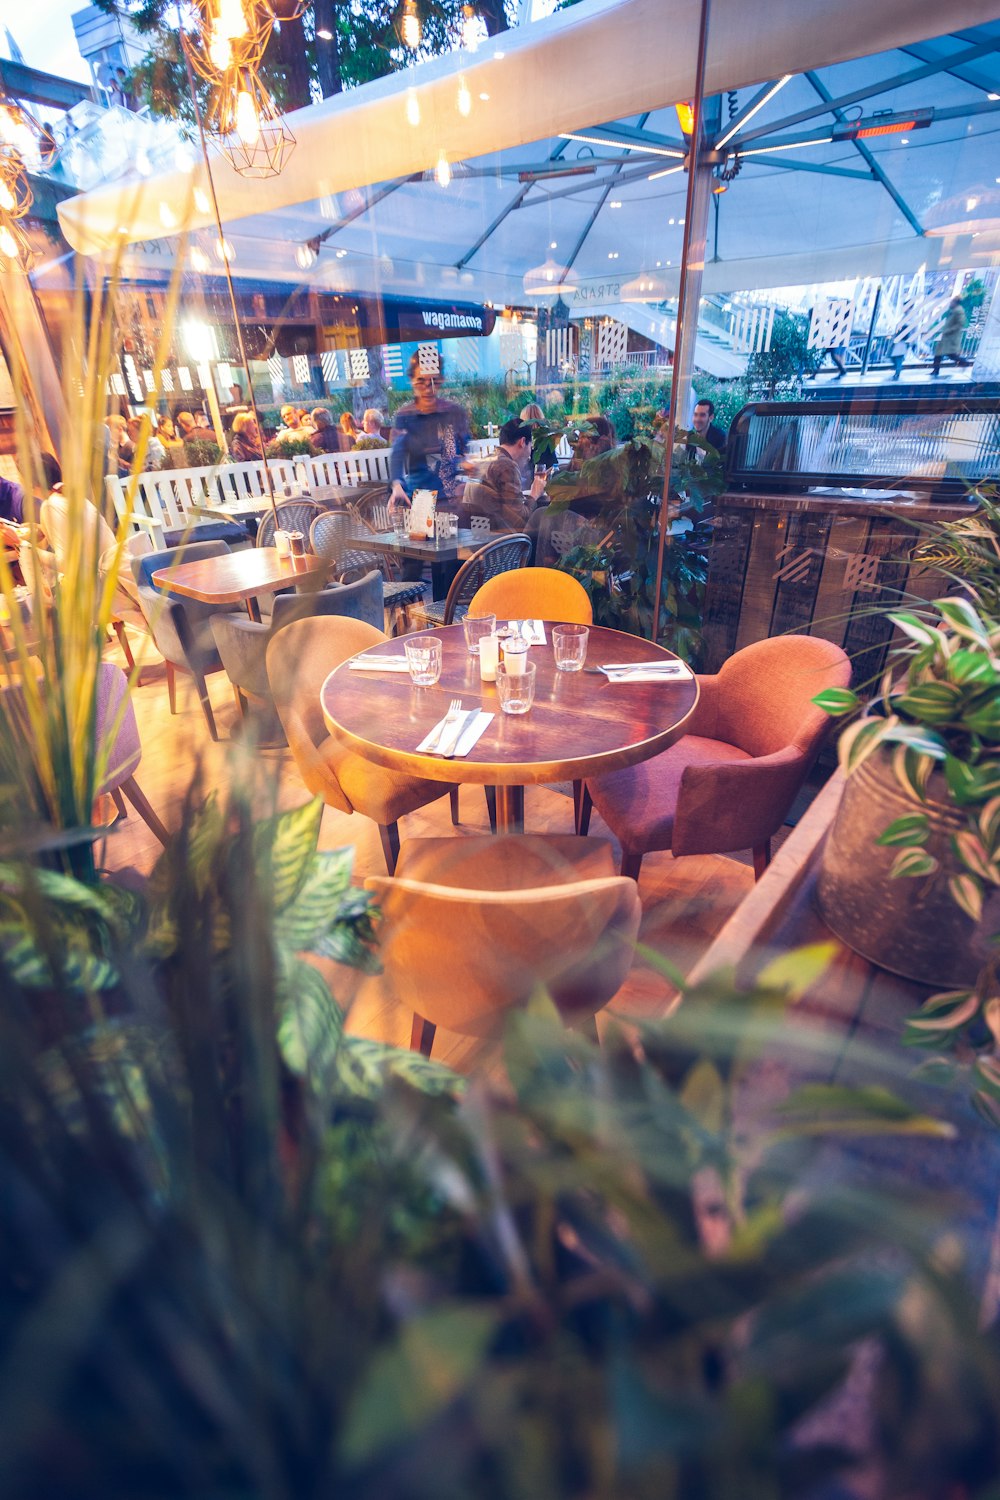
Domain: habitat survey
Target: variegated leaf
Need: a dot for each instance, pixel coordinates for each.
(912, 862)
(967, 893)
(912, 770)
(284, 846)
(947, 1020)
(909, 830)
(973, 855)
(858, 741)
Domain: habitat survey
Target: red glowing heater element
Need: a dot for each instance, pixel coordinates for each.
(685, 117)
(882, 124)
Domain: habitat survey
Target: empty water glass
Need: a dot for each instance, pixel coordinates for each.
(480, 526)
(516, 690)
(569, 644)
(423, 657)
(476, 628)
(401, 523)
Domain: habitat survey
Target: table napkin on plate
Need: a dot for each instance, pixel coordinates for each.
(469, 736)
(378, 664)
(533, 631)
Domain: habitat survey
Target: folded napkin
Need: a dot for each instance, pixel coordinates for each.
(473, 730)
(533, 631)
(659, 671)
(378, 664)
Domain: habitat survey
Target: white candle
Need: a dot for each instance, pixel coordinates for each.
(489, 656)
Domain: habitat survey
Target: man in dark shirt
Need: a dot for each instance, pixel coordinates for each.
(430, 435)
(498, 495)
(11, 501)
(706, 429)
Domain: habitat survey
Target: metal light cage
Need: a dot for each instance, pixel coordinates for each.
(241, 95)
(17, 253)
(15, 190)
(244, 51)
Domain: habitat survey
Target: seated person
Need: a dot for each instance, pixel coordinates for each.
(498, 495)
(11, 512)
(704, 411)
(373, 432)
(156, 454)
(590, 444)
(325, 437)
(246, 446)
(348, 431)
(534, 416)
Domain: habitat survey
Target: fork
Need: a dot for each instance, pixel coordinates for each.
(451, 717)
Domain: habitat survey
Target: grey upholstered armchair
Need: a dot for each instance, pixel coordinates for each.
(181, 628)
(242, 643)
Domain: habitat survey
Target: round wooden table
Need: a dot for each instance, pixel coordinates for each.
(580, 725)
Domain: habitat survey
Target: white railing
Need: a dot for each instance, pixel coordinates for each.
(169, 499)
(334, 470)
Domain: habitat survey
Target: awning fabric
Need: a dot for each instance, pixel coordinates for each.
(594, 62)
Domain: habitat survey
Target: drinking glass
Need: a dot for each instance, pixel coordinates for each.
(569, 643)
(476, 628)
(516, 690)
(401, 523)
(423, 657)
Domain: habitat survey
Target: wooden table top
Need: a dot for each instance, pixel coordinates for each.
(580, 724)
(233, 576)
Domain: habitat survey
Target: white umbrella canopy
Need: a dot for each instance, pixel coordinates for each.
(792, 214)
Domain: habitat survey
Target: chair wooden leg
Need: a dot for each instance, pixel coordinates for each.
(631, 865)
(241, 702)
(422, 1035)
(206, 705)
(761, 858)
(172, 686)
(453, 799)
(121, 633)
(582, 808)
(119, 802)
(491, 806)
(588, 1028)
(389, 834)
(138, 800)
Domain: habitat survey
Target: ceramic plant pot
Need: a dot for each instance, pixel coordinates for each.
(910, 926)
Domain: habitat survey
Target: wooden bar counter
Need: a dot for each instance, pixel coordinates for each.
(815, 563)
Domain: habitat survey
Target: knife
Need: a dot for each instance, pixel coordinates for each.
(464, 723)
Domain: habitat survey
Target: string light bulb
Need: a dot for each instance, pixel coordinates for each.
(305, 255)
(409, 28)
(8, 244)
(464, 98)
(224, 250)
(412, 107)
(442, 171)
(247, 122)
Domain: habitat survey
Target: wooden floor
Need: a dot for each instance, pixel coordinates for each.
(685, 902)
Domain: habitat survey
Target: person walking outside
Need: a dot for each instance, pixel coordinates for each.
(949, 344)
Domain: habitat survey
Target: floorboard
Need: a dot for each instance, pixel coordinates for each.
(685, 902)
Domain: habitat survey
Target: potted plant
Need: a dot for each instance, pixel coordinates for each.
(621, 493)
(913, 857)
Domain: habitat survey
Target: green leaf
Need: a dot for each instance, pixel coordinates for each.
(364, 1067)
(912, 770)
(407, 1385)
(961, 779)
(930, 702)
(916, 630)
(912, 862)
(859, 741)
(797, 971)
(924, 741)
(973, 855)
(963, 619)
(946, 1011)
(965, 667)
(837, 701)
(310, 1022)
(912, 828)
(968, 894)
(985, 721)
(704, 1096)
(315, 906)
(284, 846)
(989, 822)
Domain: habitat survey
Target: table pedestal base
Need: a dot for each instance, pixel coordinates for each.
(510, 809)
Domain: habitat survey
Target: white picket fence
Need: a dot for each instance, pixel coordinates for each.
(171, 499)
